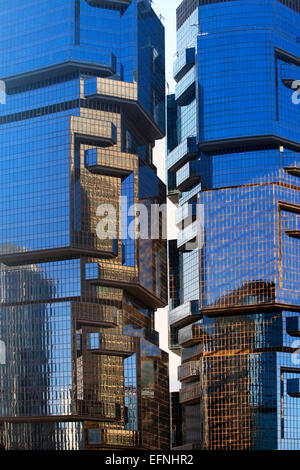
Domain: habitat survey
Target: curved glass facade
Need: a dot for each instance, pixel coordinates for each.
(85, 93)
(245, 270)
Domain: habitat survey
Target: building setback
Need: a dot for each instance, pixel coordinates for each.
(234, 159)
(85, 100)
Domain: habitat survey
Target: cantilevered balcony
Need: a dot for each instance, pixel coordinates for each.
(112, 345)
(185, 90)
(293, 170)
(190, 394)
(190, 335)
(126, 95)
(185, 213)
(188, 175)
(293, 388)
(105, 87)
(184, 63)
(93, 131)
(185, 314)
(104, 162)
(189, 372)
(127, 279)
(91, 408)
(110, 4)
(173, 341)
(173, 193)
(101, 316)
(81, 243)
(289, 73)
(293, 233)
(119, 438)
(187, 238)
(293, 326)
(185, 151)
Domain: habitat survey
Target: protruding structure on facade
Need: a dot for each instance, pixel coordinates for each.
(233, 170)
(85, 83)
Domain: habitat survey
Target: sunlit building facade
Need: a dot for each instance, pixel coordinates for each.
(85, 102)
(233, 170)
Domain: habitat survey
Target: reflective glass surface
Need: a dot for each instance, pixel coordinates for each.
(85, 94)
(245, 272)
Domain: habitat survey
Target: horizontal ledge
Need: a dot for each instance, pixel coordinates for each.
(238, 310)
(113, 446)
(293, 233)
(176, 349)
(135, 289)
(190, 401)
(56, 70)
(187, 184)
(97, 323)
(187, 343)
(108, 171)
(295, 171)
(289, 207)
(51, 419)
(184, 247)
(95, 140)
(29, 257)
(188, 379)
(174, 196)
(110, 4)
(186, 321)
(288, 82)
(179, 71)
(113, 352)
(187, 96)
(188, 447)
(136, 112)
(245, 141)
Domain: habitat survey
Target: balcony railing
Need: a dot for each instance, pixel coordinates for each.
(189, 371)
(188, 175)
(190, 335)
(190, 393)
(188, 354)
(184, 314)
(185, 151)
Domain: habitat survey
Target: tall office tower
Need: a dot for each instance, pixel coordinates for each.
(234, 159)
(85, 99)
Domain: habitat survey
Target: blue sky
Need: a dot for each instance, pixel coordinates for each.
(167, 8)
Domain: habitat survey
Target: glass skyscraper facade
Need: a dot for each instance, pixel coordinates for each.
(85, 102)
(233, 170)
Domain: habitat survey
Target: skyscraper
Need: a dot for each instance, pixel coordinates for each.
(234, 159)
(85, 102)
